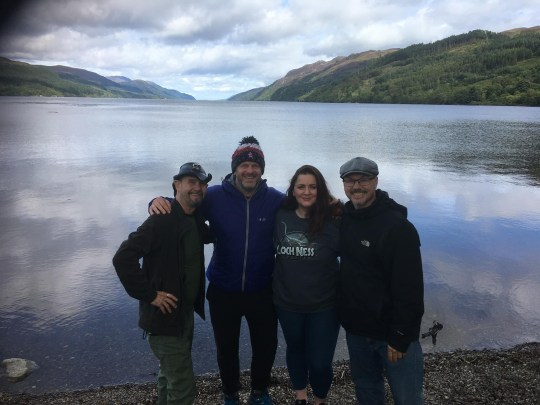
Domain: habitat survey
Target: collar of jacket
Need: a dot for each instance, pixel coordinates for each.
(178, 211)
(229, 184)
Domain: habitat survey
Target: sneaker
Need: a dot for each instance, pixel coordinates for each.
(260, 398)
(231, 400)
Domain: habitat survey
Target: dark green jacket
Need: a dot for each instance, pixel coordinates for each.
(159, 241)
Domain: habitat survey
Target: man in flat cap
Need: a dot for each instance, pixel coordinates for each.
(381, 289)
(171, 283)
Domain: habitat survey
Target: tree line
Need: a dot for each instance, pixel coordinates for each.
(479, 67)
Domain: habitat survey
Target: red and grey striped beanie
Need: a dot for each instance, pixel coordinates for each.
(248, 150)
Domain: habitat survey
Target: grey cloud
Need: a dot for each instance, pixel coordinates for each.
(260, 40)
(82, 15)
(236, 25)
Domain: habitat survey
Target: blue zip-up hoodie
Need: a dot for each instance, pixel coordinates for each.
(243, 258)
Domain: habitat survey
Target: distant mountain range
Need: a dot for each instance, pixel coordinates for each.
(479, 67)
(23, 79)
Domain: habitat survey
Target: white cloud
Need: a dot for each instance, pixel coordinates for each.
(236, 44)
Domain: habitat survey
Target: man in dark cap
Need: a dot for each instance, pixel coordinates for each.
(170, 285)
(380, 301)
(241, 214)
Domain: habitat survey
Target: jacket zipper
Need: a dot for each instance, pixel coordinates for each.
(246, 246)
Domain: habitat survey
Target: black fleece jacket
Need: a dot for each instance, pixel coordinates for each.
(159, 241)
(381, 290)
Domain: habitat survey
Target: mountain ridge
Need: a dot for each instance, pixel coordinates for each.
(479, 67)
(23, 79)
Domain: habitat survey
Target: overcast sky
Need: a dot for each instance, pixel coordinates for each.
(213, 49)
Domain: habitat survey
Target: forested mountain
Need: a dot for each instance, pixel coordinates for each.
(480, 67)
(23, 79)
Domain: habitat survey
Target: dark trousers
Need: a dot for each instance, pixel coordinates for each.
(311, 341)
(226, 312)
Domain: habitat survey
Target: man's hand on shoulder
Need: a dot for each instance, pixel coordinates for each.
(160, 205)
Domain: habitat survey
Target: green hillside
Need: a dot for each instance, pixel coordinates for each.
(479, 67)
(23, 79)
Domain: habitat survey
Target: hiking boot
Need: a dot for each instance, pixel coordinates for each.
(260, 398)
(231, 399)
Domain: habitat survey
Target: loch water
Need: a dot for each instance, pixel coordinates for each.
(77, 175)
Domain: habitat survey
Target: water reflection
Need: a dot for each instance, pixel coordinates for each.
(76, 179)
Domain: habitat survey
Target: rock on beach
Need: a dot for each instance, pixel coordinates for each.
(509, 376)
(17, 369)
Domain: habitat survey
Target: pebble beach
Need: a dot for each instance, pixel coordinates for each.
(509, 376)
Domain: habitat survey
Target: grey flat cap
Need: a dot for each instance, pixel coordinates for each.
(359, 165)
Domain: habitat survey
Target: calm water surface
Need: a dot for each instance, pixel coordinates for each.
(76, 176)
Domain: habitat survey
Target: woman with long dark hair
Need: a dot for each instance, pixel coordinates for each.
(306, 239)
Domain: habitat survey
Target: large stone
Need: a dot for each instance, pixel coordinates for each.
(17, 369)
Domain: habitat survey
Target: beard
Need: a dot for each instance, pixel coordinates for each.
(361, 198)
(247, 185)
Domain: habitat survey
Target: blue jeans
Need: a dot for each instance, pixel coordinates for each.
(368, 359)
(311, 341)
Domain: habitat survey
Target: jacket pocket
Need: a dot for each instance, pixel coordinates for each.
(152, 320)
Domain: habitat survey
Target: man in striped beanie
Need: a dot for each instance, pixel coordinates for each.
(241, 212)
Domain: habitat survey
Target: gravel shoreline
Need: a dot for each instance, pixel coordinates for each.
(509, 376)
